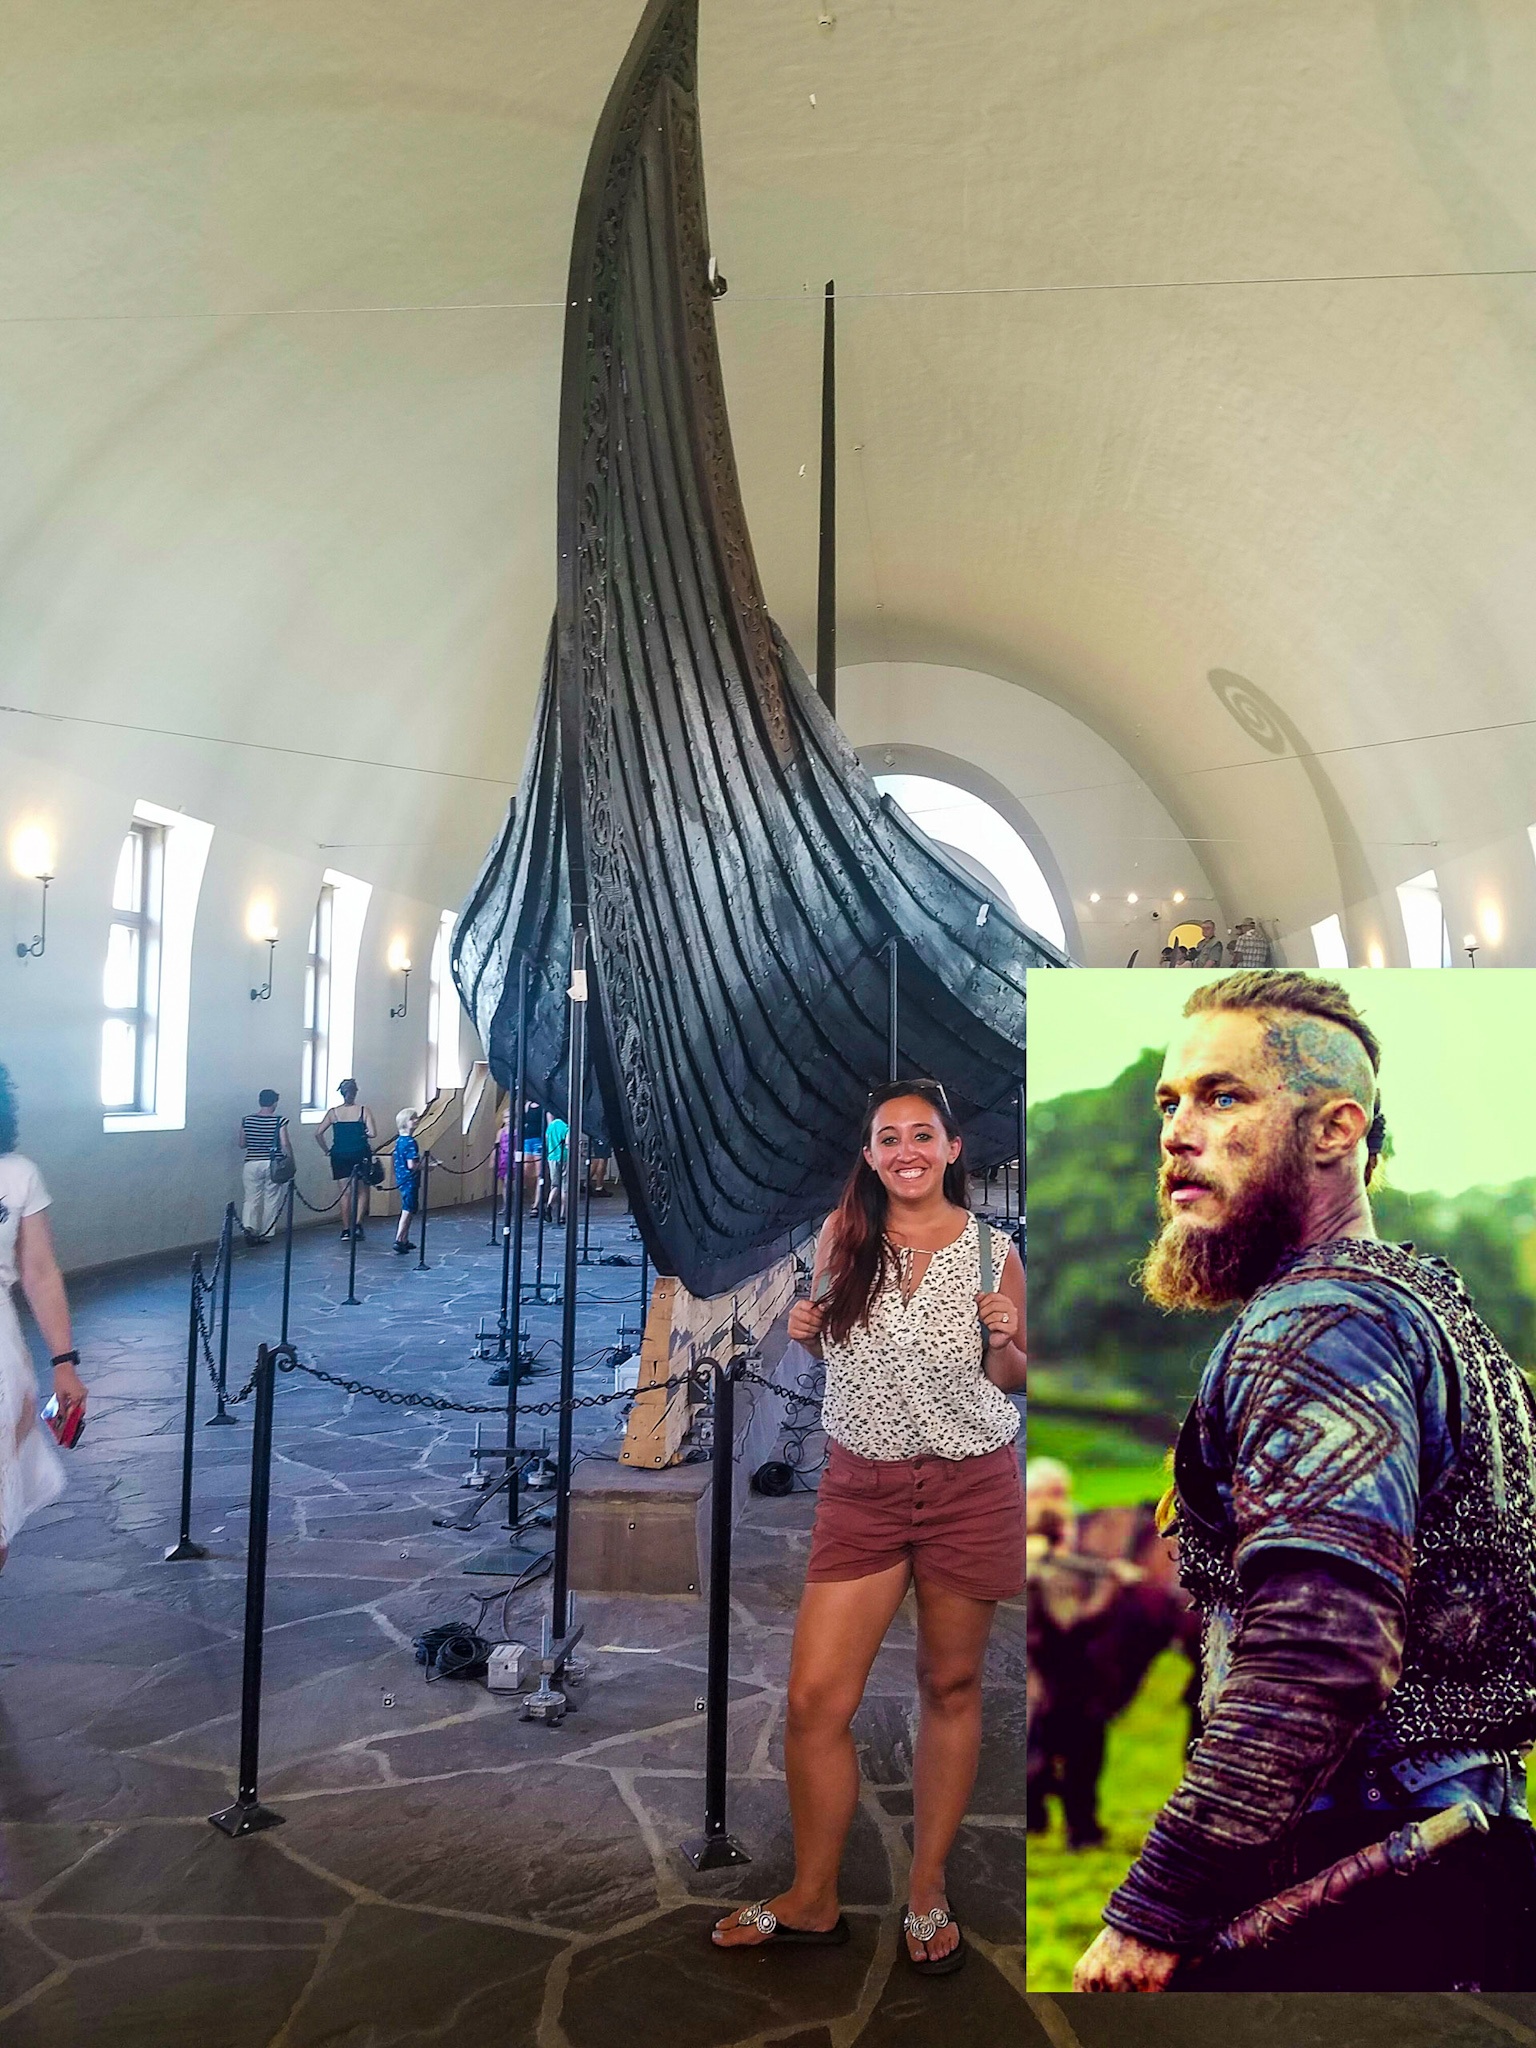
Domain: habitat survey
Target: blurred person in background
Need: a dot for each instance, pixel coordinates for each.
(31, 1470)
(262, 1134)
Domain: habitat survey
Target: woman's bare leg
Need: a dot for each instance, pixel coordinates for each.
(952, 1631)
(841, 1625)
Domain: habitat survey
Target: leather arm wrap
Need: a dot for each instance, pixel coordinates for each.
(1319, 1649)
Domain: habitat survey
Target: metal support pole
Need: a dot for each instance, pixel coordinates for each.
(351, 1300)
(221, 1414)
(184, 1548)
(826, 561)
(576, 1075)
(715, 1849)
(511, 1559)
(248, 1816)
(287, 1261)
(892, 1009)
(421, 1213)
(538, 1210)
(1018, 1235)
(586, 1208)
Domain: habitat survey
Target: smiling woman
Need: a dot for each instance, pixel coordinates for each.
(1357, 1430)
(918, 1309)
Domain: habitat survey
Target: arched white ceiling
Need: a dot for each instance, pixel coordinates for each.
(1188, 380)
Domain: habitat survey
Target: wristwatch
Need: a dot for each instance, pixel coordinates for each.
(65, 1358)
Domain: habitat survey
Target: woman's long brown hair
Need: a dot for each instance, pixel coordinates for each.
(859, 1260)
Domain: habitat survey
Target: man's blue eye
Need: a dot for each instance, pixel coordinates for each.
(1223, 1095)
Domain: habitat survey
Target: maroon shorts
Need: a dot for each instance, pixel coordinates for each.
(956, 1521)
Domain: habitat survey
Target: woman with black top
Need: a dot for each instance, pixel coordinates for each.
(918, 1311)
(353, 1138)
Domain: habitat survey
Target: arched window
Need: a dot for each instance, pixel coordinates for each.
(330, 988)
(989, 846)
(445, 1066)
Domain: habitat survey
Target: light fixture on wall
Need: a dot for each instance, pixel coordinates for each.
(261, 928)
(1133, 897)
(1469, 947)
(1093, 895)
(32, 856)
(1178, 895)
(400, 963)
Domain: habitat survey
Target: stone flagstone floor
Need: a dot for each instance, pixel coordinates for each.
(446, 1871)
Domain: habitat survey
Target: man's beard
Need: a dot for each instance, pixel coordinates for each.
(1213, 1267)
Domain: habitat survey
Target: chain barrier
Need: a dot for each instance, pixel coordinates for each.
(318, 1208)
(462, 1172)
(203, 1290)
(398, 1397)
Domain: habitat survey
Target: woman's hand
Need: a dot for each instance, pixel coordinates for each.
(805, 1321)
(1001, 1318)
(69, 1386)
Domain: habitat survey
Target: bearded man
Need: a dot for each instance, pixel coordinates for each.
(1355, 1506)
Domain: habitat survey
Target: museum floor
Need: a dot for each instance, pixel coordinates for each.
(446, 1871)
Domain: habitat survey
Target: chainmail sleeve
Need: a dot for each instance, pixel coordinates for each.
(1319, 1429)
(1317, 1653)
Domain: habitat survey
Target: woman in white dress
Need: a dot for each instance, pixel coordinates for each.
(31, 1470)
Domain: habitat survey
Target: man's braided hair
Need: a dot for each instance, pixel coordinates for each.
(1304, 995)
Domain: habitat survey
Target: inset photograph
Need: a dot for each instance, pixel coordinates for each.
(1281, 1482)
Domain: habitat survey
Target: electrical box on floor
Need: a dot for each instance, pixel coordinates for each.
(508, 1668)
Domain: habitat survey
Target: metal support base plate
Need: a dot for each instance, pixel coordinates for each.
(222, 1422)
(180, 1552)
(714, 1852)
(245, 1819)
(504, 1561)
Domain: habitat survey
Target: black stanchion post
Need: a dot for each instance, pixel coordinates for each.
(715, 1848)
(892, 1008)
(575, 1077)
(538, 1205)
(221, 1414)
(184, 1548)
(421, 1214)
(351, 1300)
(586, 1210)
(287, 1260)
(248, 1816)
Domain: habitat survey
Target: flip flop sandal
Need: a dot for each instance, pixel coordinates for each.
(923, 1927)
(777, 1935)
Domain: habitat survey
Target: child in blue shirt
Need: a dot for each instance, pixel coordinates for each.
(407, 1176)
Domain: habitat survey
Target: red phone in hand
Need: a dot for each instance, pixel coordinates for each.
(66, 1422)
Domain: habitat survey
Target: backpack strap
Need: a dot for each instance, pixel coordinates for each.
(984, 1247)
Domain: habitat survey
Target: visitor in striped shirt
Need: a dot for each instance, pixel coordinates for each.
(262, 1133)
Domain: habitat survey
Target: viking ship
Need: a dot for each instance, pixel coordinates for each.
(690, 803)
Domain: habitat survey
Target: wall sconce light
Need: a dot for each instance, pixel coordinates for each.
(399, 961)
(1133, 897)
(262, 930)
(1178, 895)
(1469, 947)
(1093, 895)
(264, 993)
(32, 855)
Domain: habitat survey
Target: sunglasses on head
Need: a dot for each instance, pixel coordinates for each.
(892, 1089)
